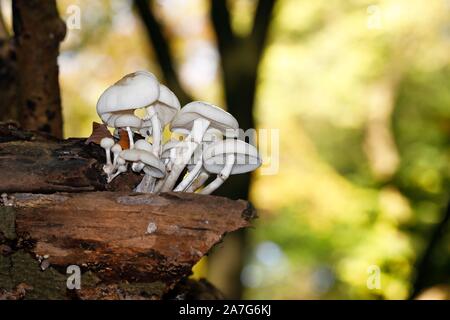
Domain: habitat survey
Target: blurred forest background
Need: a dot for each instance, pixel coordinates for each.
(360, 93)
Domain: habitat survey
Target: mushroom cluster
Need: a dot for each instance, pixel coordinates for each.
(207, 138)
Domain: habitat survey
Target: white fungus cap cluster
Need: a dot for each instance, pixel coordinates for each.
(208, 144)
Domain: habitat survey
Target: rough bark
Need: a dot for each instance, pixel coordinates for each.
(107, 235)
(38, 31)
(33, 162)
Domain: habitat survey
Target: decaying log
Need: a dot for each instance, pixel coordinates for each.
(136, 244)
(56, 211)
(32, 162)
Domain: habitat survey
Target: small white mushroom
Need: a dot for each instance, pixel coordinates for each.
(116, 149)
(229, 157)
(141, 144)
(107, 143)
(129, 122)
(120, 169)
(153, 168)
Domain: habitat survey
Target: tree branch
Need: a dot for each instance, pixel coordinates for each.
(261, 23)
(161, 47)
(220, 16)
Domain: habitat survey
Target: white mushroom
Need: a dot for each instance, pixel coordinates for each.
(120, 169)
(129, 122)
(116, 148)
(197, 117)
(153, 168)
(229, 157)
(141, 144)
(134, 91)
(107, 143)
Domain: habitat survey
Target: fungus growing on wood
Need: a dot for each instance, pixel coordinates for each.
(208, 135)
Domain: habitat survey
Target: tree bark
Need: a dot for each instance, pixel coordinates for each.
(34, 162)
(127, 245)
(38, 31)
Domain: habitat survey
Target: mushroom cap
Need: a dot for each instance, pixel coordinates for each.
(218, 118)
(135, 90)
(173, 143)
(132, 155)
(246, 156)
(116, 148)
(142, 144)
(154, 166)
(106, 143)
(210, 135)
(166, 107)
(127, 120)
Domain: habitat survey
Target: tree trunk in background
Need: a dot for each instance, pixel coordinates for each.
(38, 31)
(8, 75)
(240, 61)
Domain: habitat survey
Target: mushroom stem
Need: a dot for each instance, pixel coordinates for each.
(157, 135)
(141, 186)
(116, 150)
(137, 166)
(221, 177)
(149, 185)
(157, 139)
(120, 169)
(130, 137)
(178, 165)
(187, 181)
(159, 184)
(198, 182)
(198, 131)
(108, 156)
